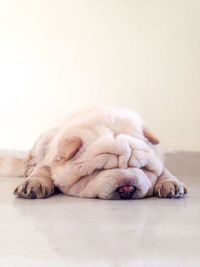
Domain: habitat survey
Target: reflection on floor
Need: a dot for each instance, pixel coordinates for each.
(65, 231)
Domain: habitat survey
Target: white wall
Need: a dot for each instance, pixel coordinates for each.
(56, 56)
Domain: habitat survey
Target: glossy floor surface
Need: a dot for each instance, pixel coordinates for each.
(65, 231)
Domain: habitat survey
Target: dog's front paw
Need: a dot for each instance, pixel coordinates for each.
(35, 187)
(169, 189)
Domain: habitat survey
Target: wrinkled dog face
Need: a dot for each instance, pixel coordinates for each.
(106, 155)
(98, 173)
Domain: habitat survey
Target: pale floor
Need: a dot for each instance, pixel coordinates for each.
(65, 231)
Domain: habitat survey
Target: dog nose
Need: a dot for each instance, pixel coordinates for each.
(126, 191)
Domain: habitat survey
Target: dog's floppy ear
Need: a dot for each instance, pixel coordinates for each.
(151, 136)
(68, 147)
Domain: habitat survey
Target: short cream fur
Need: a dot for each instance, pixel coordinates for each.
(93, 154)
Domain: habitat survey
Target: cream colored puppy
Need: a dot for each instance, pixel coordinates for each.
(98, 153)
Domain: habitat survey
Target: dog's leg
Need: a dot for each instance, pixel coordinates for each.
(38, 185)
(168, 186)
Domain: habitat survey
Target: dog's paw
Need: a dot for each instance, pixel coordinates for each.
(169, 189)
(35, 187)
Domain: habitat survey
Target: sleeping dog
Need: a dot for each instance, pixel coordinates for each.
(106, 153)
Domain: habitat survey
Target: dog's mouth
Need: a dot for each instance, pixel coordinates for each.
(126, 191)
